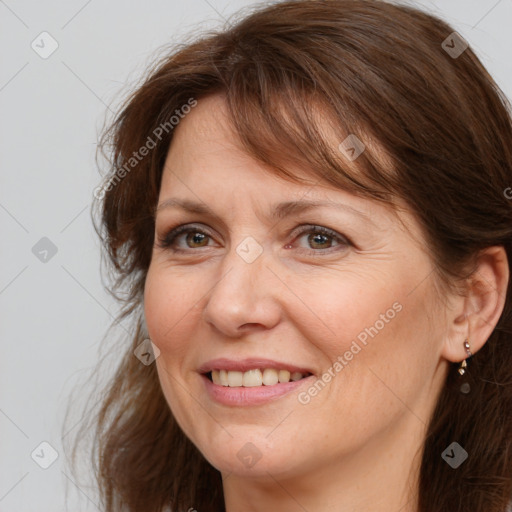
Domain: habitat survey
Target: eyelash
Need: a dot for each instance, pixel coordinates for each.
(169, 239)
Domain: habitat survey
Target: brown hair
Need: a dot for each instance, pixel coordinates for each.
(375, 70)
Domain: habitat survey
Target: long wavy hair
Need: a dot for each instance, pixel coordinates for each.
(386, 73)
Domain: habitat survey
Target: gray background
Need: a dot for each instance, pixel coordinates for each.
(54, 313)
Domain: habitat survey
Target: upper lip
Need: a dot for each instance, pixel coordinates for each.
(244, 365)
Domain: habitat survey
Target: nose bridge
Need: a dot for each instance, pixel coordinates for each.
(243, 267)
(241, 295)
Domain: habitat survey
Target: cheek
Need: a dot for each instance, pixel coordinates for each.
(170, 317)
(169, 308)
(374, 337)
(333, 312)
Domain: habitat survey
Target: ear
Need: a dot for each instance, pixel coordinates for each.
(475, 315)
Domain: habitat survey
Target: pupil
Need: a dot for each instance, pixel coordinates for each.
(197, 237)
(320, 236)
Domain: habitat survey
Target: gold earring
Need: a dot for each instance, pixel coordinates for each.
(464, 364)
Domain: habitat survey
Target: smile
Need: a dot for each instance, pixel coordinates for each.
(251, 381)
(254, 378)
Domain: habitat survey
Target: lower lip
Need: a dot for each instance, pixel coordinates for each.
(241, 396)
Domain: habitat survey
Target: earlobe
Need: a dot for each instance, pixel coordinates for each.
(480, 309)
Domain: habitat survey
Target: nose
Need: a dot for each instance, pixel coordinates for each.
(245, 296)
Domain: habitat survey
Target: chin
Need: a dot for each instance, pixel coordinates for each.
(251, 455)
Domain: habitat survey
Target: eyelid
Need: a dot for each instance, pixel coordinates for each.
(165, 242)
(318, 228)
(170, 235)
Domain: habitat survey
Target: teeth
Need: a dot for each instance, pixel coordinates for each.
(284, 376)
(270, 377)
(233, 379)
(254, 378)
(223, 377)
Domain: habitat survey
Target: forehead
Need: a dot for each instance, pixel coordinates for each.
(206, 152)
(207, 164)
(207, 131)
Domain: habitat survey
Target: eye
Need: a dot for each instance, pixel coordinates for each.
(195, 236)
(320, 239)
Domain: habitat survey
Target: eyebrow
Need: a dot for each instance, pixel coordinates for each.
(280, 211)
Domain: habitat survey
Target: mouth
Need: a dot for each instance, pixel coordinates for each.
(255, 377)
(251, 382)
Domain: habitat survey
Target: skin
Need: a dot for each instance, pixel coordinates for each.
(304, 300)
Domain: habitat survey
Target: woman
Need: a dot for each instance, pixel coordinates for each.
(308, 218)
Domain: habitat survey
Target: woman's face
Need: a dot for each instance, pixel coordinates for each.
(351, 310)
